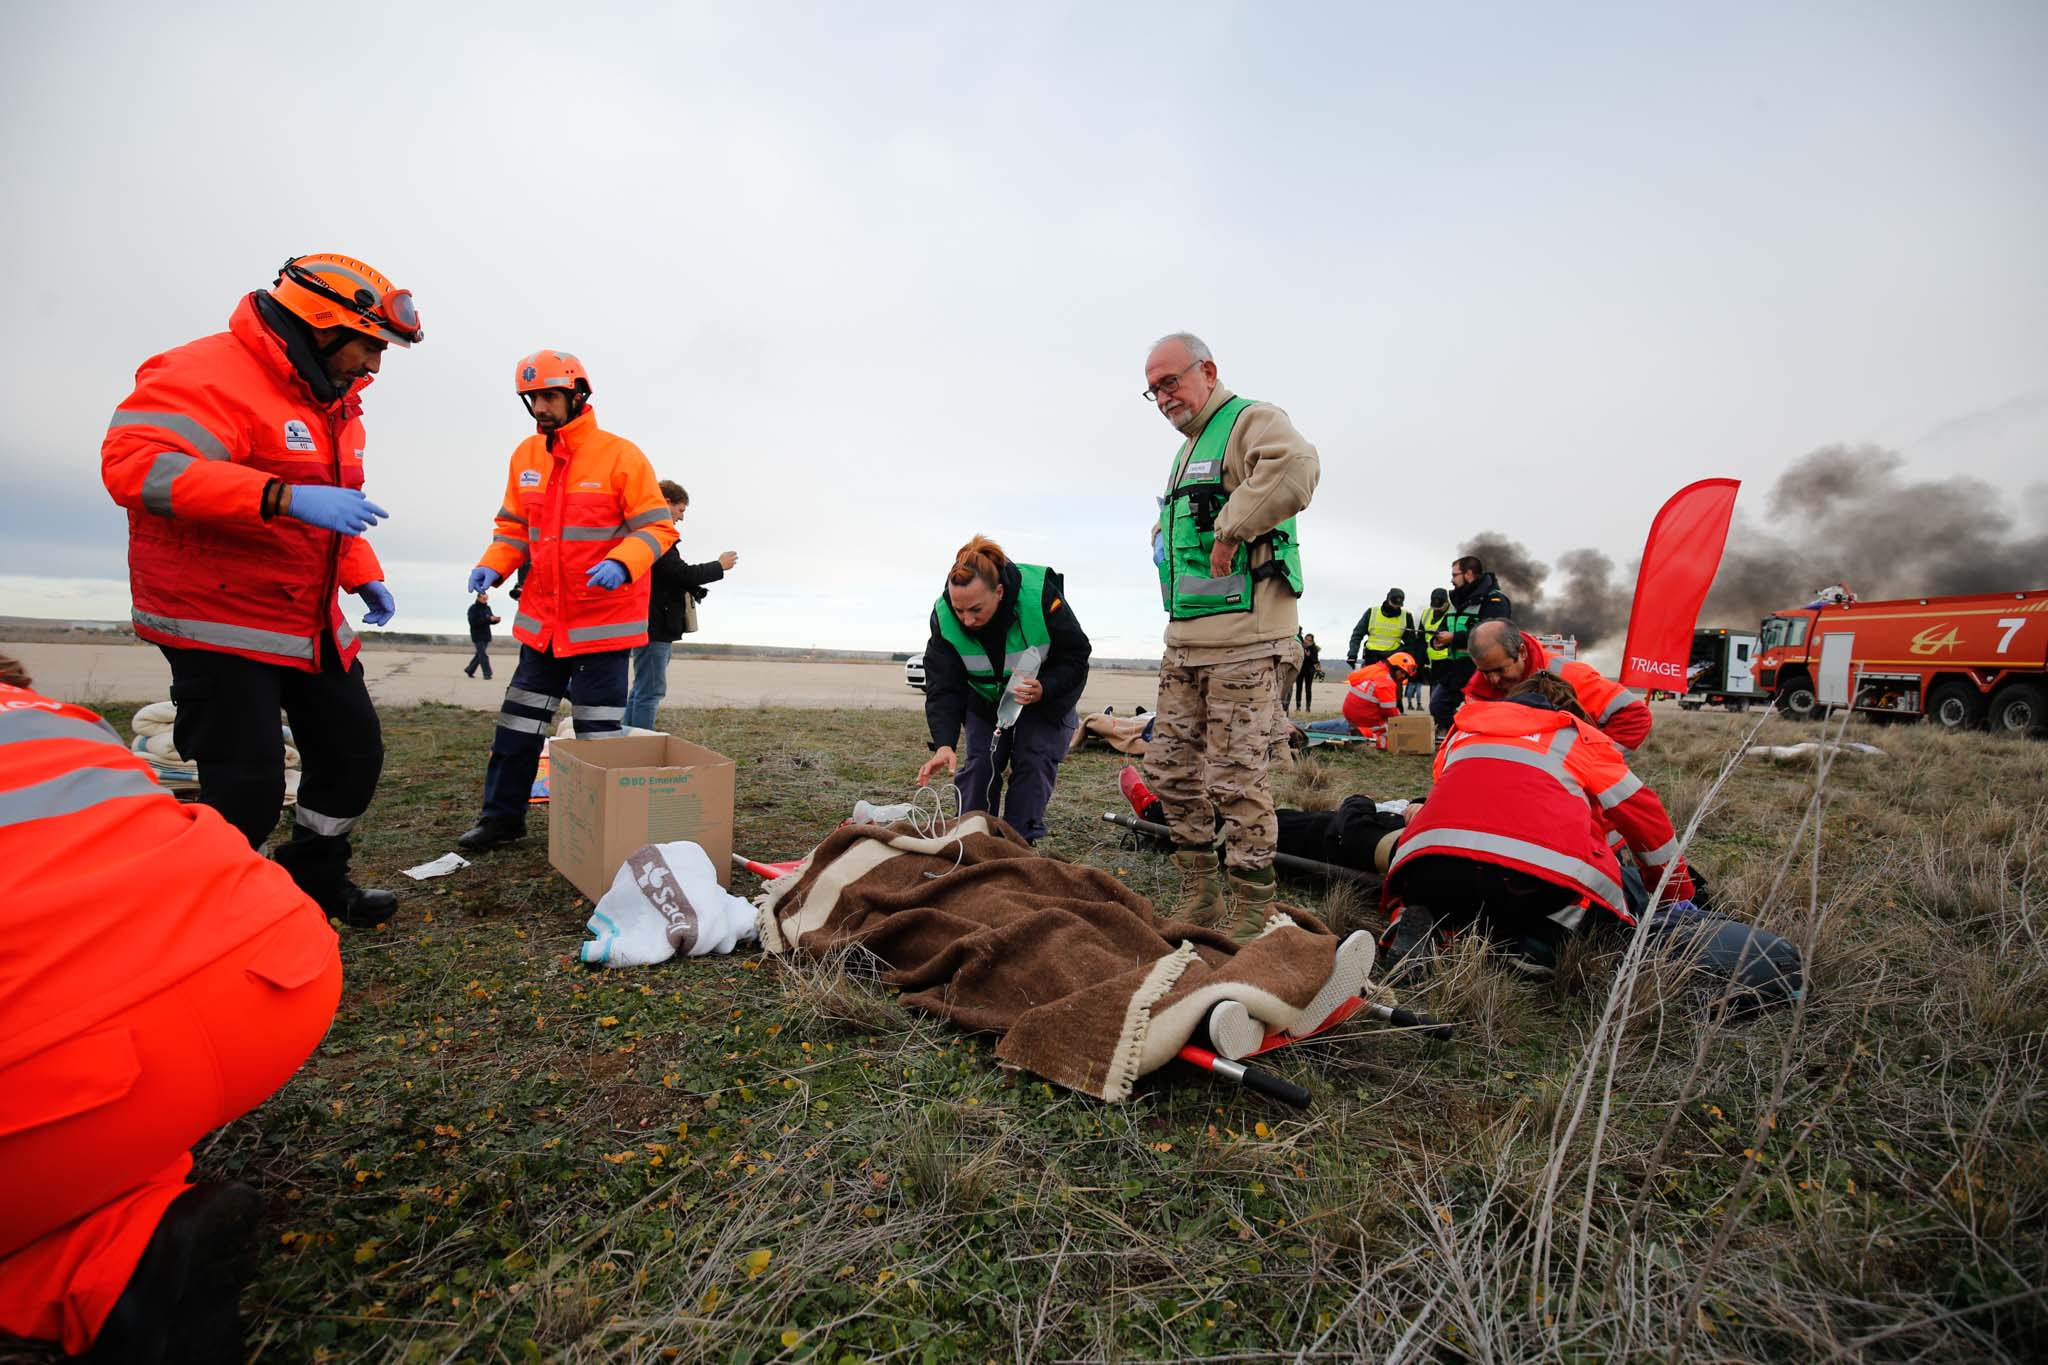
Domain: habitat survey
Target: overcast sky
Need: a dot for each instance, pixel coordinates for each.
(868, 279)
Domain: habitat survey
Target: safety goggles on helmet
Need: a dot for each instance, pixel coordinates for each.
(392, 313)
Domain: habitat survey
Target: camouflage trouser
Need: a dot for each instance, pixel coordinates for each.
(1209, 753)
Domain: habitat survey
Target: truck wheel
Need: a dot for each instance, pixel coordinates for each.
(1955, 706)
(1798, 700)
(2020, 709)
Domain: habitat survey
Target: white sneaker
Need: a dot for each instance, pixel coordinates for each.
(1348, 977)
(1233, 1033)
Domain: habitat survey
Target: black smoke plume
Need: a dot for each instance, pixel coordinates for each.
(1588, 604)
(1843, 514)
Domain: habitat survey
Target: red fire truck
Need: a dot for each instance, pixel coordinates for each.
(1965, 661)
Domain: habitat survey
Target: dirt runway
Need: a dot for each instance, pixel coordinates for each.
(92, 673)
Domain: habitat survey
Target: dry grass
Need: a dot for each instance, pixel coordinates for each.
(752, 1161)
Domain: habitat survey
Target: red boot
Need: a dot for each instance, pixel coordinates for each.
(1132, 784)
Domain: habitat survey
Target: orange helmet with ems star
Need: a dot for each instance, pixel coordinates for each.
(550, 370)
(327, 290)
(1402, 660)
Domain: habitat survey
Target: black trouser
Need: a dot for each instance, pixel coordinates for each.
(482, 659)
(1305, 688)
(1447, 690)
(227, 725)
(596, 687)
(1512, 908)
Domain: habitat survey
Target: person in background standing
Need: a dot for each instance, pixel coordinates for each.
(1311, 669)
(676, 584)
(480, 622)
(1474, 597)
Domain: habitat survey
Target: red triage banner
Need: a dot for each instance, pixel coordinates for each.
(1679, 560)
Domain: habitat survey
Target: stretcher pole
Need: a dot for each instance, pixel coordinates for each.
(1287, 860)
(1250, 1077)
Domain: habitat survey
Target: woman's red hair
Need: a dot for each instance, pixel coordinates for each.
(979, 558)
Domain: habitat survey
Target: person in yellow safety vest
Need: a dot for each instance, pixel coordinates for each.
(1432, 625)
(1006, 662)
(1383, 629)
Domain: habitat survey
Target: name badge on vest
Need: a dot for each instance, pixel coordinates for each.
(1203, 469)
(297, 436)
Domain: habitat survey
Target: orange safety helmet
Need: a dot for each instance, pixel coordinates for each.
(1403, 661)
(327, 290)
(550, 370)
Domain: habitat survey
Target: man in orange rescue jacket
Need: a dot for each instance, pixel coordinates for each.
(1520, 830)
(157, 980)
(239, 457)
(1503, 654)
(585, 515)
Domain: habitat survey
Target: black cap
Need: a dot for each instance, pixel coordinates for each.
(1439, 596)
(1396, 595)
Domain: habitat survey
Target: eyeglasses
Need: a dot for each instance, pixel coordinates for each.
(395, 310)
(1169, 384)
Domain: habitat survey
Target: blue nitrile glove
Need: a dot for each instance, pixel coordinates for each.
(334, 509)
(607, 574)
(482, 580)
(1158, 549)
(382, 604)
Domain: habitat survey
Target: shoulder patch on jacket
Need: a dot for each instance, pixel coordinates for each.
(297, 436)
(529, 478)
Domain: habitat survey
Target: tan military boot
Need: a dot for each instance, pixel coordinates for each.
(1201, 887)
(1250, 900)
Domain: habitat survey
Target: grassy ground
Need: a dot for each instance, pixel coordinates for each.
(501, 1154)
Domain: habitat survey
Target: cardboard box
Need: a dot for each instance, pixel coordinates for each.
(607, 797)
(1411, 735)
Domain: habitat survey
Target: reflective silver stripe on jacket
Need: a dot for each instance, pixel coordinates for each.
(203, 441)
(163, 472)
(325, 824)
(1621, 791)
(634, 523)
(524, 622)
(1550, 761)
(592, 532)
(1521, 850)
(1660, 855)
(1621, 699)
(32, 722)
(976, 663)
(1234, 585)
(81, 789)
(611, 632)
(649, 540)
(234, 637)
(500, 538)
(343, 636)
(509, 515)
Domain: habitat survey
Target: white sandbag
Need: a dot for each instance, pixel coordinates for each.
(1811, 749)
(664, 900)
(158, 746)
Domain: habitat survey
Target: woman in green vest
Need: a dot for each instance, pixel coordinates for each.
(1002, 633)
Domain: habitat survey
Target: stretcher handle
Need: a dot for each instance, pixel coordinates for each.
(1250, 1077)
(1436, 1030)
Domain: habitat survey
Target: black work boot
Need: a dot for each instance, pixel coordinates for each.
(486, 835)
(182, 1306)
(363, 908)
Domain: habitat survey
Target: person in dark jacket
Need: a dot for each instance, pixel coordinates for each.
(1311, 669)
(480, 622)
(666, 608)
(1475, 597)
(1001, 628)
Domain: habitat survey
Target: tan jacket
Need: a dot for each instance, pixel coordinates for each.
(1269, 473)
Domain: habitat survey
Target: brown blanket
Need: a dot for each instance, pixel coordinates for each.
(1125, 734)
(1088, 986)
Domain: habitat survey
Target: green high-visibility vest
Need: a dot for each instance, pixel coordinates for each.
(1432, 622)
(1383, 633)
(1187, 523)
(1460, 620)
(1027, 628)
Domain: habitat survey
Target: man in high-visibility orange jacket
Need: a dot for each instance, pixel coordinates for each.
(157, 980)
(1503, 654)
(239, 457)
(584, 514)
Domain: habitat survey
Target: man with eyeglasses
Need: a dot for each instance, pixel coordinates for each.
(239, 457)
(1229, 573)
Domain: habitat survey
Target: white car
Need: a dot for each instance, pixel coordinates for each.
(913, 671)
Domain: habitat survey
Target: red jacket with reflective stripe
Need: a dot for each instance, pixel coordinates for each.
(1372, 697)
(110, 889)
(189, 452)
(1538, 790)
(1621, 715)
(573, 499)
